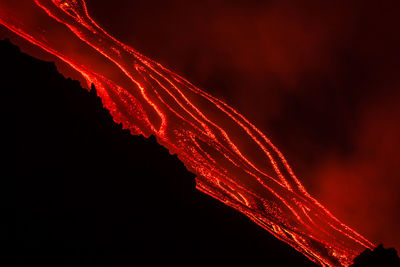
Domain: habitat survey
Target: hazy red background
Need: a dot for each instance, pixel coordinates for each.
(321, 79)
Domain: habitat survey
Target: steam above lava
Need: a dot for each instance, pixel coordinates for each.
(233, 160)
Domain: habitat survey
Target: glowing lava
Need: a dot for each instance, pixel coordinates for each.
(234, 162)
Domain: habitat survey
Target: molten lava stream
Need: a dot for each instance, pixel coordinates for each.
(234, 162)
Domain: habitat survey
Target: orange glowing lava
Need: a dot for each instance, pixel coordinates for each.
(233, 160)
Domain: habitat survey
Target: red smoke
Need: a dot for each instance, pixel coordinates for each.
(326, 73)
(371, 167)
(293, 51)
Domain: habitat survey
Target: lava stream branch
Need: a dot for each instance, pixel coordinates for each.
(233, 160)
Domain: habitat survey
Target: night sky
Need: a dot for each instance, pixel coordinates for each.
(321, 80)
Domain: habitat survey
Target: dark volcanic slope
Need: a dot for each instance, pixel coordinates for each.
(379, 257)
(80, 190)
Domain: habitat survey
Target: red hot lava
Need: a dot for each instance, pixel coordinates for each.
(233, 160)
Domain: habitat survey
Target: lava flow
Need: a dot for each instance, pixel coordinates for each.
(234, 162)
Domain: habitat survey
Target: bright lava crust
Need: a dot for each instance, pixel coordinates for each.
(233, 160)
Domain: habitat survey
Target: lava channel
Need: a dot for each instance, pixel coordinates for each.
(233, 160)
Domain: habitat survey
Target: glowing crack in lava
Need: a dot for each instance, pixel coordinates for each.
(234, 162)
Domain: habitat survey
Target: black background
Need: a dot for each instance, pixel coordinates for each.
(80, 190)
(320, 78)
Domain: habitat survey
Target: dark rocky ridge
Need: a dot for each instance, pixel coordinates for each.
(77, 189)
(379, 257)
(80, 190)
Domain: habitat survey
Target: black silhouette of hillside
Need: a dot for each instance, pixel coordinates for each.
(379, 257)
(77, 189)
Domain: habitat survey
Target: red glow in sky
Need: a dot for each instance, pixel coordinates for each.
(233, 160)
